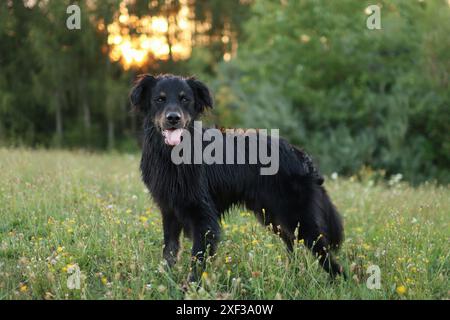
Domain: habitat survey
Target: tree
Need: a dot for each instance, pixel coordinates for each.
(357, 96)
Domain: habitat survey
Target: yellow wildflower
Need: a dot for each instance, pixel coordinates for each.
(143, 219)
(23, 288)
(401, 290)
(68, 268)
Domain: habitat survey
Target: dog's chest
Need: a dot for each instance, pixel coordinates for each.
(167, 182)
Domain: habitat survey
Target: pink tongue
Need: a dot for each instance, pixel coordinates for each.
(173, 137)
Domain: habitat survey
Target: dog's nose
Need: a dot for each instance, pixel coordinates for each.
(173, 117)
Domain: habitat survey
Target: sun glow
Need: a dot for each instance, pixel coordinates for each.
(136, 41)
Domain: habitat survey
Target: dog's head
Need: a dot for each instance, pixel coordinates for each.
(170, 102)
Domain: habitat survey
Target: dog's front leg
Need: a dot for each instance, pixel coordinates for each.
(172, 230)
(205, 240)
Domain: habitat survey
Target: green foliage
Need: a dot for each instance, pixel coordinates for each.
(53, 88)
(58, 87)
(349, 95)
(65, 209)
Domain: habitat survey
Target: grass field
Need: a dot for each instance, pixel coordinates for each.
(66, 211)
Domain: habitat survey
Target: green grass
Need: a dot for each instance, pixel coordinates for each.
(59, 210)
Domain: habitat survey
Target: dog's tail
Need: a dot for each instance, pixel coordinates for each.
(327, 217)
(335, 224)
(330, 219)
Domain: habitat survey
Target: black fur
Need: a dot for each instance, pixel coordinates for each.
(192, 197)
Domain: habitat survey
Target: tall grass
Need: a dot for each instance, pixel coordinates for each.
(60, 211)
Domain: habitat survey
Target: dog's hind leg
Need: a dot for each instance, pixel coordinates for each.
(288, 239)
(320, 247)
(172, 230)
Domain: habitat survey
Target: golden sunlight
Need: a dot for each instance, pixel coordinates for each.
(136, 41)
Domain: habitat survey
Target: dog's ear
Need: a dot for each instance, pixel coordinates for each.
(202, 95)
(140, 95)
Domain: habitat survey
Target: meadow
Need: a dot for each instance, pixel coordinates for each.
(63, 211)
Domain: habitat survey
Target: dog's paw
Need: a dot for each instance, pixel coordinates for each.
(193, 278)
(185, 287)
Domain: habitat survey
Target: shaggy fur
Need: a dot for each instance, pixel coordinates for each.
(192, 198)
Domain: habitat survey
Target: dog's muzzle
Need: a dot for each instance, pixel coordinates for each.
(172, 126)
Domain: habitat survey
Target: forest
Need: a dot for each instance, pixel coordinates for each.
(357, 99)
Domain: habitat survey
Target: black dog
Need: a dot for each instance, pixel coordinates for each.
(192, 197)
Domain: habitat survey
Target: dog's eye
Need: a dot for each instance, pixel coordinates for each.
(184, 99)
(160, 99)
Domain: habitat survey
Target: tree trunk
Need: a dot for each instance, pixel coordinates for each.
(87, 120)
(59, 125)
(111, 138)
(2, 139)
(83, 92)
